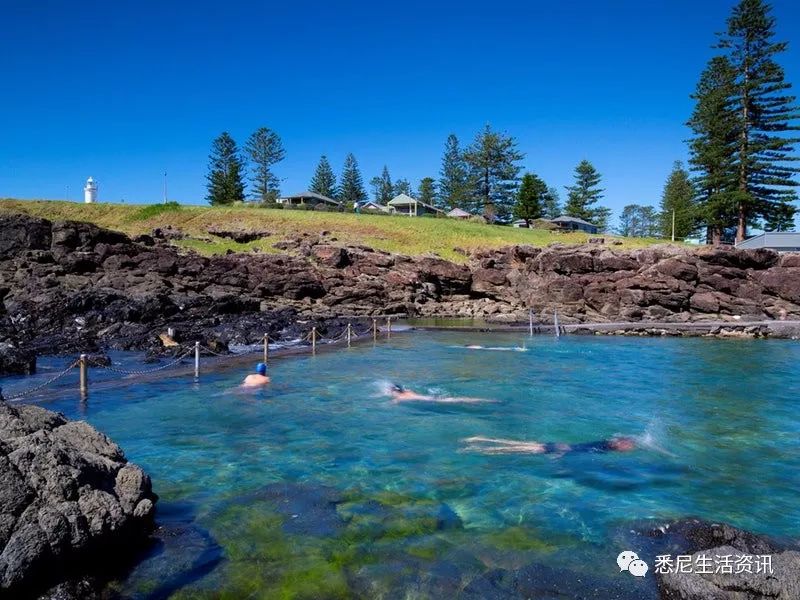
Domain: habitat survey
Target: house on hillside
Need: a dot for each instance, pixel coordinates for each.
(519, 223)
(780, 241)
(309, 199)
(458, 213)
(403, 204)
(565, 223)
(372, 205)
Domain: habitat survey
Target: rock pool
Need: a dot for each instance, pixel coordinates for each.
(321, 487)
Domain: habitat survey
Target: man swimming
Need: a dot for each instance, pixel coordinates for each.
(258, 378)
(486, 445)
(401, 394)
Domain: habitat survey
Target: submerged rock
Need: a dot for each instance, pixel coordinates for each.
(68, 499)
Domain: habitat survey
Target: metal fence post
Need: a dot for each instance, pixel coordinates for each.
(374, 330)
(84, 378)
(349, 333)
(388, 327)
(313, 340)
(266, 347)
(197, 360)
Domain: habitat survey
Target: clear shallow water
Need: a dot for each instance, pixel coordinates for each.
(719, 418)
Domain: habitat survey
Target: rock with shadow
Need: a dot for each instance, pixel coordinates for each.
(69, 501)
(705, 542)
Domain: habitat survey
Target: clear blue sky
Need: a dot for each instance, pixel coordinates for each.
(124, 91)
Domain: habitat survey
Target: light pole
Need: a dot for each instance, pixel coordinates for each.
(165, 187)
(673, 224)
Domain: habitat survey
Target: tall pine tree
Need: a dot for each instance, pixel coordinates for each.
(382, 187)
(454, 189)
(531, 199)
(225, 185)
(492, 160)
(352, 184)
(678, 200)
(264, 149)
(324, 180)
(402, 186)
(585, 194)
(552, 204)
(713, 150)
(427, 191)
(766, 112)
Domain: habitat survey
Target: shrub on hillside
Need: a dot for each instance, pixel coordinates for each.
(153, 210)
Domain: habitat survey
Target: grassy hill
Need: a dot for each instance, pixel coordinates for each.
(413, 236)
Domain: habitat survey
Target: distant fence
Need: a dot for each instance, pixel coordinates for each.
(313, 337)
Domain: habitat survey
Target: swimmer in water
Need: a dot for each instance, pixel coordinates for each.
(258, 378)
(401, 394)
(498, 348)
(486, 445)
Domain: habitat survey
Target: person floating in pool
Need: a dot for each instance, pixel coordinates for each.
(258, 378)
(402, 394)
(486, 445)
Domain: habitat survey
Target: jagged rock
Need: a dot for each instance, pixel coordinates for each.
(15, 360)
(705, 541)
(67, 497)
(241, 236)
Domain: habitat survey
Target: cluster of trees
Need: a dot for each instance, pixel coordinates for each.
(741, 152)
(349, 189)
(677, 216)
(484, 178)
(741, 157)
(535, 200)
(227, 166)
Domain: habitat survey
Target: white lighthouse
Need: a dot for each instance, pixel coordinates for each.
(90, 191)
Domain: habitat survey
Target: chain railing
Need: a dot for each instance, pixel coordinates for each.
(85, 361)
(20, 395)
(114, 369)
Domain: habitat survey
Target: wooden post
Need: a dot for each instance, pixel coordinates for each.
(266, 347)
(374, 330)
(388, 327)
(84, 379)
(313, 340)
(349, 334)
(197, 360)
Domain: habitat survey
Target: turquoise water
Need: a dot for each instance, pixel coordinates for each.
(718, 421)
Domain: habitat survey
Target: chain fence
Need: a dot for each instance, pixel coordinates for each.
(313, 337)
(20, 395)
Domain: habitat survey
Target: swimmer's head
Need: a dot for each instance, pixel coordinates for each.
(261, 369)
(396, 388)
(622, 444)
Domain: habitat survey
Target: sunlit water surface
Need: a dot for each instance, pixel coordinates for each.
(717, 420)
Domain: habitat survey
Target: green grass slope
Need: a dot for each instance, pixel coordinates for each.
(405, 235)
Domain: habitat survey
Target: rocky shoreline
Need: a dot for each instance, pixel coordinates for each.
(70, 503)
(69, 287)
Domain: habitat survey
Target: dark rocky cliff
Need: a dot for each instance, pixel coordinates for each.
(69, 286)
